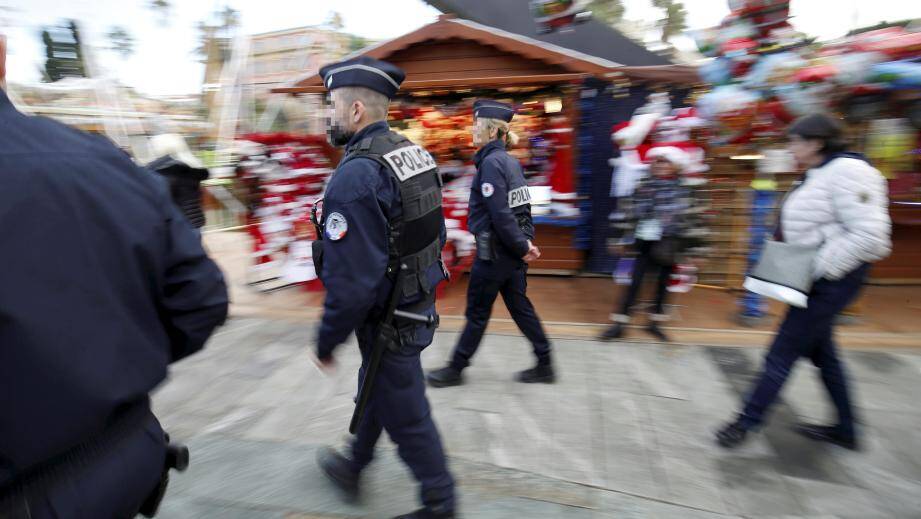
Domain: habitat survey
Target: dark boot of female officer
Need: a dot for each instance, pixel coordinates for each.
(500, 217)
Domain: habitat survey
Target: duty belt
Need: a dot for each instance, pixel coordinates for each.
(40, 479)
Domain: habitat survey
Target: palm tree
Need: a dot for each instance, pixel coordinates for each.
(611, 12)
(163, 8)
(230, 20)
(335, 21)
(675, 20)
(122, 42)
(221, 32)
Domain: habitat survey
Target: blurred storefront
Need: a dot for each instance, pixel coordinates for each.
(453, 61)
(764, 74)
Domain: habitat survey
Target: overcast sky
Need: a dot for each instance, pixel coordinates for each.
(163, 62)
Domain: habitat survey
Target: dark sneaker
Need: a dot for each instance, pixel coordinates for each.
(339, 470)
(445, 377)
(425, 513)
(731, 436)
(657, 332)
(829, 434)
(612, 333)
(542, 373)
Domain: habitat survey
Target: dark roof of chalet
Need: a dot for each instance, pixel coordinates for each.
(592, 37)
(570, 65)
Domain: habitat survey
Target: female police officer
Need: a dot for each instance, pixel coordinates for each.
(500, 217)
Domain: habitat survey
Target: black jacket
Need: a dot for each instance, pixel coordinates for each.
(103, 283)
(500, 200)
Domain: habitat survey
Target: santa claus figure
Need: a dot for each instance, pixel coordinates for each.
(633, 139)
(654, 125)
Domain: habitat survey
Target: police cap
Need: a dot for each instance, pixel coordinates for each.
(371, 73)
(489, 109)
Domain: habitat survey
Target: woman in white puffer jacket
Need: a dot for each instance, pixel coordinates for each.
(841, 207)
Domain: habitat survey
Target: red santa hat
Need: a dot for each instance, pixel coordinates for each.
(686, 156)
(673, 154)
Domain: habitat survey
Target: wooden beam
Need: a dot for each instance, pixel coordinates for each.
(476, 82)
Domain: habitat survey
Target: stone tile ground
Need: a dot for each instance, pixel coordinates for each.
(626, 433)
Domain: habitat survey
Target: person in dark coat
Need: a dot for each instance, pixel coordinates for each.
(184, 186)
(382, 232)
(104, 285)
(184, 173)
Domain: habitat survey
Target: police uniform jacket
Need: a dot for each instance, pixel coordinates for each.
(360, 200)
(500, 201)
(103, 284)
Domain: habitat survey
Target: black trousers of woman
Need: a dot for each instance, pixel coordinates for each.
(807, 332)
(642, 265)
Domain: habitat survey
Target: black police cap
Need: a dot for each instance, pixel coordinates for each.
(371, 73)
(489, 109)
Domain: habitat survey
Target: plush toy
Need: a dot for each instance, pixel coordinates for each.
(633, 139)
(655, 126)
(559, 15)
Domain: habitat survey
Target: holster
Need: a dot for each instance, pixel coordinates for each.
(177, 457)
(485, 246)
(317, 248)
(317, 245)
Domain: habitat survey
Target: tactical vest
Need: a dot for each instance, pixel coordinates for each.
(415, 235)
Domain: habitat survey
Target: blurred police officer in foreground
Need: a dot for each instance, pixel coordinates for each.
(104, 283)
(382, 234)
(500, 218)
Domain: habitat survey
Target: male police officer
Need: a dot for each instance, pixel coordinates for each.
(382, 234)
(500, 218)
(104, 283)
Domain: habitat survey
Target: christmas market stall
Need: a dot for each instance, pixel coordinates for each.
(453, 61)
(764, 74)
(566, 100)
(279, 178)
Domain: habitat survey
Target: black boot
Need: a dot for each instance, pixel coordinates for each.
(425, 513)
(339, 470)
(445, 377)
(657, 332)
(614, 332)
(542, 373)
(828, 433)
(731, 435)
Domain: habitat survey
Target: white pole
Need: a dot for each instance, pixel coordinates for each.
(229, 99)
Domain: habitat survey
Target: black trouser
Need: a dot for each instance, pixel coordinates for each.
(644, 261)
(398, 406)
(807, 332)
(488, 279)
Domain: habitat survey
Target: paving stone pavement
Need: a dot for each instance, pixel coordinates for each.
(625, 433)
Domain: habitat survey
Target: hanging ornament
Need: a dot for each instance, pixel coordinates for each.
(559, 15)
